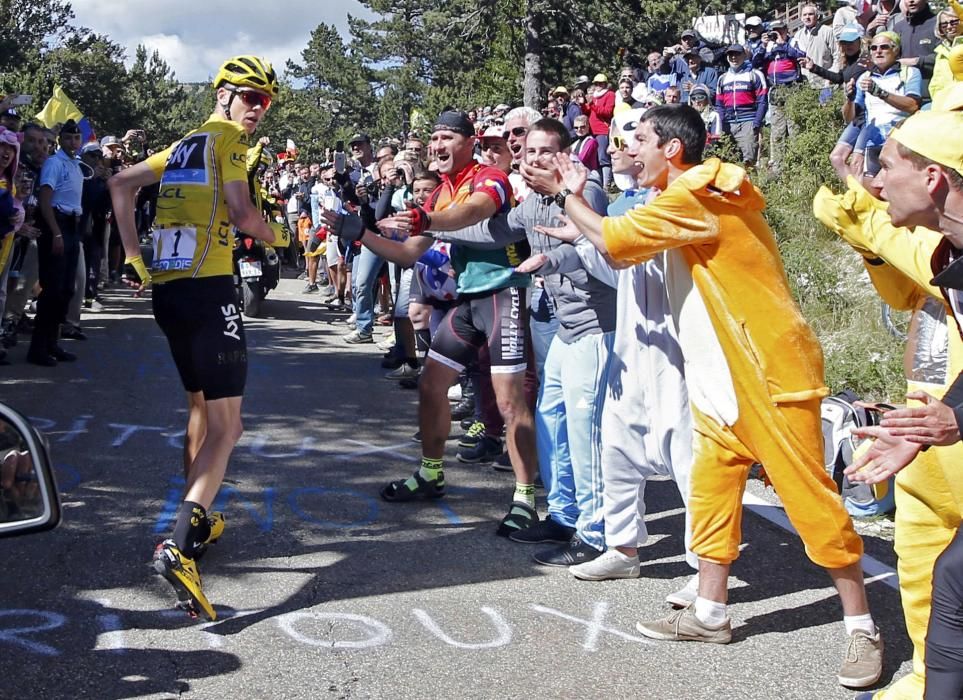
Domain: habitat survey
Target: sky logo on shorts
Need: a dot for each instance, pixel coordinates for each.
(231, 319)
(187, 163)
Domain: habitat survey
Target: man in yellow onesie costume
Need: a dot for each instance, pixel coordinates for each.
(754, 371)
(928, 501)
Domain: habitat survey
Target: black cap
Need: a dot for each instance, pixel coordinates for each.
(736, 48)
(688, 32)
(359, 138)
(10, 112)
(454, 121)
(70, 127)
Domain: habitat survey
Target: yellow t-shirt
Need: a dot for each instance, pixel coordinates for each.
(193, 235)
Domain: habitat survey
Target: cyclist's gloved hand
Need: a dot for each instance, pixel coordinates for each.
(419, 218)
(349, 228)
(143, 276)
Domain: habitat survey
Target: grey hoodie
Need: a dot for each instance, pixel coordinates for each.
(583, 304)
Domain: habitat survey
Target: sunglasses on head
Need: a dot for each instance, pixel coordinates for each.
(517, 131)
(881, 47)
(253, 98)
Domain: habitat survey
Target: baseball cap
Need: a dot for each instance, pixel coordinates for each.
(359, 138)
(754, 21)
(916, 134)
(502, 107)
(736, 48)
(687, 33)
(560, 90)
(10, 112)
(600, 78)
(493, 132)
(851, 32)
(626, 81)
(778, 24)
(581, 79)
(699, 90)
(109, 141)
(92, 147)
(454, 121)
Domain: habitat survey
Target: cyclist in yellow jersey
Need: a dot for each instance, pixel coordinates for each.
(204, 196)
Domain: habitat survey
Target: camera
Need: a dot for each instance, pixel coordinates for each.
(773, 36)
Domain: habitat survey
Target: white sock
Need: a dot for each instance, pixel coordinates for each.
(710, 612)
(860, 622)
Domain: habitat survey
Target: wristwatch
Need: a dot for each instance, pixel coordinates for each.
(560, 198)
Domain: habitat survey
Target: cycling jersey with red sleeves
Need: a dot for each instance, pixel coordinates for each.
(193, 235)
(478, 271)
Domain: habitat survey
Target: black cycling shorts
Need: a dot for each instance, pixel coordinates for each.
(202, 321)
(498, 319)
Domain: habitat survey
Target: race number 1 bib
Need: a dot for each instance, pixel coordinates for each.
(174, 248)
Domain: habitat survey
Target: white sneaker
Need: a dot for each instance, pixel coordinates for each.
(351, 319)
(686, 595)
(610, 565)
(454, 392)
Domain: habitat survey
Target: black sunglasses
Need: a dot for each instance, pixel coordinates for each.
(517, 131)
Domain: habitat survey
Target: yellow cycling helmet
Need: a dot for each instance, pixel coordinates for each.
(248, 71)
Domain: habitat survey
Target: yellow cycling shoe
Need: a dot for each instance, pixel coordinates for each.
(216, 522)
(181, 572)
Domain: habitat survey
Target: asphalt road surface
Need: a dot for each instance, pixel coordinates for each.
(325, 591)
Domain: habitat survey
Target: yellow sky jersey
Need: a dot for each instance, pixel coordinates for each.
(193, 235)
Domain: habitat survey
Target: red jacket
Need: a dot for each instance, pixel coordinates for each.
(600, 111)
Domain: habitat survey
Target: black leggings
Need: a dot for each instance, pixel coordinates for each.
(944, 636)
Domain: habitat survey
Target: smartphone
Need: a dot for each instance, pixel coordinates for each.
(339, 147)
(21, 100)
(340, 161)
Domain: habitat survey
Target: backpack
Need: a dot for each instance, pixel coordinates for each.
(840, 415)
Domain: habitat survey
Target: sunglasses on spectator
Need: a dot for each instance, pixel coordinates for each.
(253, 99)
(650, 104)
(950, 23)
(619, 143)
(581, 126)
(517, 131)
(881, 47)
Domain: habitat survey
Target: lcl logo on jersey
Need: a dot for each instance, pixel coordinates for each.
(187, 163)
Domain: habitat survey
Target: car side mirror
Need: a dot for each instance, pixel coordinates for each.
(29, 501)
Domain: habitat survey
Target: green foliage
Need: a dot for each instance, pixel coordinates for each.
(826, 276)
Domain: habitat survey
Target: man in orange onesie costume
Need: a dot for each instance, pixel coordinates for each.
(754, 371)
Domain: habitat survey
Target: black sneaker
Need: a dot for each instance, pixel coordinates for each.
(9, 334)
(486, 450)
(548, 530)
(504, 464)
(416, 437)
(473, 434)
(466, 423)
(520, 516)
(409, 382)
(463, 409)
(575, 552)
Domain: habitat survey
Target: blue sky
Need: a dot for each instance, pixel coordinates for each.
(195, 36)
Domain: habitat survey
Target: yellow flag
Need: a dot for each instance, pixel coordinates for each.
(59, 108)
